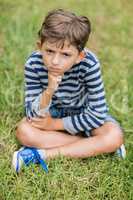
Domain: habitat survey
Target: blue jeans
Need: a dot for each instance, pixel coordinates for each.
(64, 112)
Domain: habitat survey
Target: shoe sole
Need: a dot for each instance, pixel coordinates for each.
(121, 152)
(16, 163)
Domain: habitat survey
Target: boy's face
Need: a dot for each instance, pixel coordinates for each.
(59, 60)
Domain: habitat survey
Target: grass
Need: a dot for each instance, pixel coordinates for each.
(98, 178)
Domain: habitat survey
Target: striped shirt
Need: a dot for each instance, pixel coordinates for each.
(81, 87)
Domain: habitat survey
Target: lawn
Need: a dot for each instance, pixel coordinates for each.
(102, 177)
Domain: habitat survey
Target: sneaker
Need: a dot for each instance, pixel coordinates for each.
(121, 152)
(25, 156)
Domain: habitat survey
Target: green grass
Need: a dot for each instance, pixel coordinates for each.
(98, 178)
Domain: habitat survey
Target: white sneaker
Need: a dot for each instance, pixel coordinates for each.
(121, 152)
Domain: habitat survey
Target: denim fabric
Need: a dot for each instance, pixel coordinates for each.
(64, 112)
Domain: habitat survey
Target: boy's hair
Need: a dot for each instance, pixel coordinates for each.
(60, 25)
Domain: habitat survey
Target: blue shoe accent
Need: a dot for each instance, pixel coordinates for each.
(27, 155)
(40, 160)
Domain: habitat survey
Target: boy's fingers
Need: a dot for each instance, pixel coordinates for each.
(36, 119)
(39, 119)
(36, 125)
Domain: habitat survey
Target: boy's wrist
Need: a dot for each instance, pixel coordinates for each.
(49, 91)
(45, 98)
(58, 124)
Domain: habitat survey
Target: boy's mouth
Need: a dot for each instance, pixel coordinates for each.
(56, 70)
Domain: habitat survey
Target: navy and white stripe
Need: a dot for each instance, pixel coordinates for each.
(81, 86)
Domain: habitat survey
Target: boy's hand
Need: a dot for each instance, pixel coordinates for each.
(47, 123)
(54, 80)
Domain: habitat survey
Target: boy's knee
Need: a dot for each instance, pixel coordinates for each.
(23, 132)
(111, 136)
(114, 139)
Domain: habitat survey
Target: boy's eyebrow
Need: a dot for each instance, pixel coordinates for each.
(67, 51)
(63, 51)
(48, 48)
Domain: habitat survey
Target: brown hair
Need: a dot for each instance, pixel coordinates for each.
(60, 25)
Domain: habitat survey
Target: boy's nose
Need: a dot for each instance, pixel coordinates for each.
(55, 60)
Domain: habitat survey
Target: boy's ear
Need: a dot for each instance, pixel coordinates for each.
(80, 57)
(38, 43)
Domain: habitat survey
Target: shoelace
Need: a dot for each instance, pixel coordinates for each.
(35, 156)
(40, 160)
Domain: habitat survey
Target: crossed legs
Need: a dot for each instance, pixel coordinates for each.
(105, 139)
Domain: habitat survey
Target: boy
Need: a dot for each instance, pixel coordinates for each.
(64, 97)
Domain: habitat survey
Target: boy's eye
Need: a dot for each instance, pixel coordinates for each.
(49, 51)
(66, 54)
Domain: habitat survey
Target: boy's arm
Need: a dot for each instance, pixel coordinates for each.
(38, 100)
(47, 123)
(93, 116)
(33, 91)
(53, 82)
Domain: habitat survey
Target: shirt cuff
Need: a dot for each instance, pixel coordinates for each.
(68, 126)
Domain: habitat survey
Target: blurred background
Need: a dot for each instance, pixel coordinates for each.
(103, 177)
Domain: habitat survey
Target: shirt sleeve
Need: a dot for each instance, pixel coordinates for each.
(95, 109)
(33, 92)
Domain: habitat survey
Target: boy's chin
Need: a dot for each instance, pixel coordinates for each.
(56, 73)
